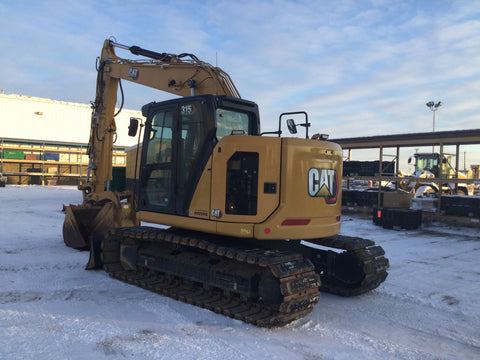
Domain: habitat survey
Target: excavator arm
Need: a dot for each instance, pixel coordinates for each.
(182, 75)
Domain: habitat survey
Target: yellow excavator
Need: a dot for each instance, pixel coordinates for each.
(251, 219)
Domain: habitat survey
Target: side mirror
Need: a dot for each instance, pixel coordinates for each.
(133, 127)
(291, 126)
(410, 160)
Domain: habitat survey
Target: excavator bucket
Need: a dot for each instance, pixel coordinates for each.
(82, 222)
(74, 232)
(85, 226)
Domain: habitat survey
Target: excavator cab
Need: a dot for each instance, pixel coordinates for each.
(179, 138)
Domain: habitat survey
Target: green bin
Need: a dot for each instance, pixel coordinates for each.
(13, 154)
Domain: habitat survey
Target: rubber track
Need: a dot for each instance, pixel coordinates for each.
(297, 280)
(371, 261)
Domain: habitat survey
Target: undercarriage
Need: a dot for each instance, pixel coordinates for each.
(263, 283)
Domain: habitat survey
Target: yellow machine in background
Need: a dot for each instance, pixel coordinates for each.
(238, 202)
(429, 165)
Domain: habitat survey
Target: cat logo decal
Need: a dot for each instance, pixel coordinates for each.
(323, 183)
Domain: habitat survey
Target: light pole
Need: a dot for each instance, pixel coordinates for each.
(434, 107)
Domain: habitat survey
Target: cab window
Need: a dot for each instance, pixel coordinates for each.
(228, 120)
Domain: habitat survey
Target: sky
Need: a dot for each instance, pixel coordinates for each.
(359, 68)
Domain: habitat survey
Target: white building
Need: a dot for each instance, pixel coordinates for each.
(34, 118)
(44, 141)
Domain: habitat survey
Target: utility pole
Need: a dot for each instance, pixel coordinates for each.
(434, 107)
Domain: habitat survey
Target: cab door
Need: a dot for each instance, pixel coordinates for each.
(157, 173)
(177, 145)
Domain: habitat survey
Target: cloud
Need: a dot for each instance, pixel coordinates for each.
(389, 80)
(357, 67)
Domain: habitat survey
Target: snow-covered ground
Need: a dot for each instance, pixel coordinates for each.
(51, 308)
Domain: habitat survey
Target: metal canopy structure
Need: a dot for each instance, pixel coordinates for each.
(456, 137)
(438, 138)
